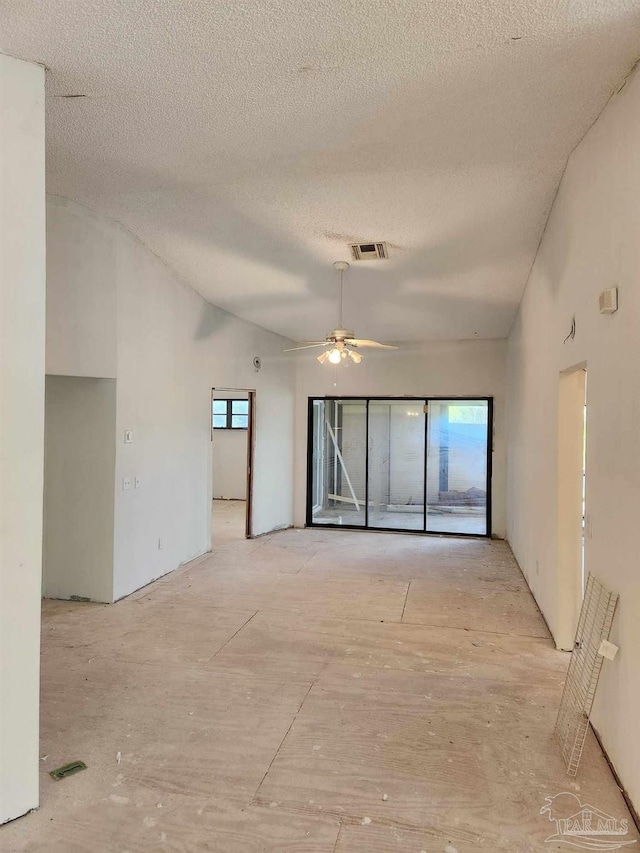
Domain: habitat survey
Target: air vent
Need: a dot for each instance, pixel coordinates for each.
(369, 251)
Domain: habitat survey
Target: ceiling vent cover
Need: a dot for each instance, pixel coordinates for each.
(369, 251)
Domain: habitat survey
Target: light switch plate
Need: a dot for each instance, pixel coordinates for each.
(128, 436)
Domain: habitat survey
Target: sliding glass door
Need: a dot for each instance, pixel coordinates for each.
(338, 462)
(456, 466)
(396, 464)
(414, 464)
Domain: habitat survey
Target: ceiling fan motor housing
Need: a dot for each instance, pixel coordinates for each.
(340, 334)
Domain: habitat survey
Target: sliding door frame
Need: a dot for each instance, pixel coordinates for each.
(425, 400)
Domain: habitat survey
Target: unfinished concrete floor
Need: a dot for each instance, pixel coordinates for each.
(313, 691)
(439, 522)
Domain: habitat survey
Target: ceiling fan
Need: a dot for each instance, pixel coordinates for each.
(341, 342)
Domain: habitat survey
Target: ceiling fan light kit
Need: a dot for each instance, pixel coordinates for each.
(342, 342)
(340, 352)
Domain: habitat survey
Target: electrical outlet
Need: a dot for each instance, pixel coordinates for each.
(126, 484)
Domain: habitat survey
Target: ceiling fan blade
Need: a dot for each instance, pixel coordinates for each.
(357, 342)
(309, 345)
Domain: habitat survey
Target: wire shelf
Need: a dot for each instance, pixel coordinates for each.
(594, 625)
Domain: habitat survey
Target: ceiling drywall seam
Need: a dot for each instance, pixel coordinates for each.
(615, 92)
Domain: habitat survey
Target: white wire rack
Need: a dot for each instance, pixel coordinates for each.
(594, 625)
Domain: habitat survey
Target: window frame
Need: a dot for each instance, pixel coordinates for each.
(228, 415)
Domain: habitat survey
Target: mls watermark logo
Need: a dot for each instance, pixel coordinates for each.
(581, 825)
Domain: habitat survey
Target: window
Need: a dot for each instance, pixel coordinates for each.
(230, 414)
(468, 414)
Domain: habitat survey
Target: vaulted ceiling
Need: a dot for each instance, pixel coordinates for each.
(248, 143)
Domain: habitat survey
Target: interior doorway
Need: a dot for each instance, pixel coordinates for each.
(233, 445)
(573, 520)
(400, 463)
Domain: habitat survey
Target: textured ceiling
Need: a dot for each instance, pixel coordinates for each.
(246, 143)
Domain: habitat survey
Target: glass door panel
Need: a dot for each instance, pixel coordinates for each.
(456, 466)
(385, 464)
(338, 462)
(396, 464)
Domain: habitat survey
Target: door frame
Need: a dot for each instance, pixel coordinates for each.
(319, 473)
(425, 400)
(251, 446)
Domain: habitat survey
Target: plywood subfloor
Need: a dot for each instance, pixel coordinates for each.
(308, 692)
(228, 521)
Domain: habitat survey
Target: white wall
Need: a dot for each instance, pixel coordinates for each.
(229, 448)
(81, 299)
(79, 478)
(438, 368)
(591, 243)
(172, 347)
(22, 319)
